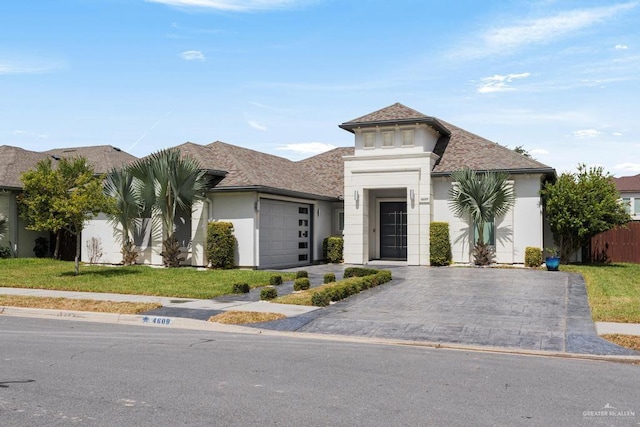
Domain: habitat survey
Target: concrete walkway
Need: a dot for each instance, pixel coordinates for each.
(512, 308)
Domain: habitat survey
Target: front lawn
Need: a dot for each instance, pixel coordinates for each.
(613, 289)
(183, 282)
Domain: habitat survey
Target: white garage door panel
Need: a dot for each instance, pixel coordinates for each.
(284, 234)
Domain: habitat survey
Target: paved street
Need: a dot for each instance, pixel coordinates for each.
(57, 373)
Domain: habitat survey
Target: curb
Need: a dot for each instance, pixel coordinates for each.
(201, 325)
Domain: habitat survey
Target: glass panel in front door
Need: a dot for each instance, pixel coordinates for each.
(393, 230)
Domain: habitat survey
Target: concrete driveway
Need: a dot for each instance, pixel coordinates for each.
(516, 308)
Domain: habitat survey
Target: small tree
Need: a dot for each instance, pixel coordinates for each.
(483, 198)
(73, 196)
(580, 205)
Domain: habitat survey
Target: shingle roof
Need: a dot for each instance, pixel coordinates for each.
(628, 183)
(16, 161)
(328, 168)
(465, 149)
(396, 113)
(249, 168)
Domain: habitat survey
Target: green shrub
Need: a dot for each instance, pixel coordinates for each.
(320, 299)
(302, 273)
(301, 284)
(439, 244)
(221, 244)
(275, 280)
(350, 286)
(358, 272)
(241, 288)
(268, 293)
(532, 257)
(6, 252)
(329, 277)
(332, 249)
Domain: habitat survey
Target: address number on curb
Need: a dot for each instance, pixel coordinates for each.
(156, 320)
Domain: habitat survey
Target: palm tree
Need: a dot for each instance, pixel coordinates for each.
(119, 185)
(167, 182)
(482, 197)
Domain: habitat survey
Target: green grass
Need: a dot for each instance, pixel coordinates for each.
(613, 289)
(140, 280)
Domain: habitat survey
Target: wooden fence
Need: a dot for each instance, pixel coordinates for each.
(618, 245)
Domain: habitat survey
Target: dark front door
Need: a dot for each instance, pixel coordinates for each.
(393, 230)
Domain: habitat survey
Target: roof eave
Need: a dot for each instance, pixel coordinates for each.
(551, 172)
(275, 191)
(431, 121)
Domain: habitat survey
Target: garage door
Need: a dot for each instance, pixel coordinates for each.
(285, 234)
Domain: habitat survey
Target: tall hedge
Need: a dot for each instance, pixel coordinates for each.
(440, 245)
(332, 248)
(221, 245)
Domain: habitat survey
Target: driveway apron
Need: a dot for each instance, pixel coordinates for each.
(515, 308)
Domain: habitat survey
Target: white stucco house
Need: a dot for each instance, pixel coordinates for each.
(381, 194)
(629, 189)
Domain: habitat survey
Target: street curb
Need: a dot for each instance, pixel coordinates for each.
(201, 325)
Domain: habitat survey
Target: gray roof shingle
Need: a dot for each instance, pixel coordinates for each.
(16, 161)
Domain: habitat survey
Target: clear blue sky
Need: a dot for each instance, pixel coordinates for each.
(560, 78)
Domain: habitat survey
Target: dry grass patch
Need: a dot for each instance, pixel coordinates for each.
(628, 341)
(76, 304)
(243, 317)
(301, 297)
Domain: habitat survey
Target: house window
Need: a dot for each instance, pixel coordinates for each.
(303, 211)
(387, 139)
(626, 202)
(636, 205)
(368, 140)
(489, 233)
(338, 221)
(408, 138)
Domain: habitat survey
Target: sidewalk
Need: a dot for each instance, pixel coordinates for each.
(189, 308)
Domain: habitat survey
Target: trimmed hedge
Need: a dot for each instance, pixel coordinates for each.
(302, 273)
(439, 244)
(221, 245)
(268, 293)
(301, 284)
(329, 278)
(350, 286)
(241, 288)
(275, 280)
(532, 257)
(358, 272)
(332, 249)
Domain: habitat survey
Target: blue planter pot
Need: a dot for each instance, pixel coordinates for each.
(552, 263)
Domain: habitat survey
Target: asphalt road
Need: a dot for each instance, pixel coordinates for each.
(72, 373)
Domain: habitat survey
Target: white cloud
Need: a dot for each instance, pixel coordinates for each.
(192, 55)
(231, 5)
(307, 147)
(257, 126)
(15, 68)
(586, 133)
(499, 83)
(539, 151)
(622, 47)
(627, 167)
(500, 40)
(617, 134)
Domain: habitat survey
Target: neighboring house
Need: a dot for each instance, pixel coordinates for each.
(15, 161)
(629, 188)
(382, 194)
